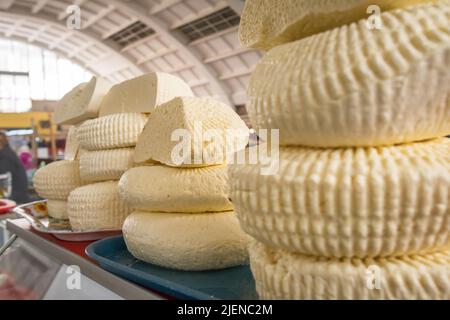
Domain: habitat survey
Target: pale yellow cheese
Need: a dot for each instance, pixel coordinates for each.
(144, 93)
(57, 209)
(109, 132)
(354, 202)
(105, 165)
(282, 275)
(97, 206)
(72, 144)
(160, 188)
(191, 132)
(353, 86)
(56, 180)
(191, 242)
(269, 23)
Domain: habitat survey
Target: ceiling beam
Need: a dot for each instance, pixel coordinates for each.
(38, 6)
(6, 4)
(237, 6)
(94, 18)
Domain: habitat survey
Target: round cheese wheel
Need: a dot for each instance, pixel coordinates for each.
(350, 202)
(97, 206)
(103, 165)
(57, 209)
(56, 180)
(354, 86)
(191, 242)
(112, 131)
(282, 275)
(164, 189)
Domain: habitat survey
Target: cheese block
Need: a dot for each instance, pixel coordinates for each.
(191, 132)
(72, 144)
(350, 202)
(358, 87)
(110, 132)
(269, 23)
(191, 242)
(282, 275)
(57, 179)
(97, 206)
(105, 165)
(57, 209)
(82, 102)
(176, 190)
(144, 93)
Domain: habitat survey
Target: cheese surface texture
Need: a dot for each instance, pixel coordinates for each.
(282, 275)
(97, 206)
(349, 202)
(164, 189)
(105, 165)
(57, 209)
(191, 132)
(269, 23)
(56, 180)
(353, 86)
(192, 242)
(144, 93)
(72, 144)
(110, 132)
(82, 102)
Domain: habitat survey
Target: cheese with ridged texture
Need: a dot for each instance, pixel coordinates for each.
(57, 209)
(97, 206)
(82, 102)
(72, 144)
(57, 179)
(281, 275)
(160, 188)
(144, 93)
(350, 202)
(105, 165)
(191, 132)
(269, 23)
(110, 132)
(191, 242)
(352, 86)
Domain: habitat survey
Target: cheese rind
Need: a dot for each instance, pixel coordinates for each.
(144, 93)
(97, 206)
(191, 132)
(57, 209)
(269, 23)
(82, 102)
(164, 189)
(192, 242)
(72, 144)
(350, 202)
(110, 132)
(105, 165)
(282, 275)
(56, 180)
(353, 86)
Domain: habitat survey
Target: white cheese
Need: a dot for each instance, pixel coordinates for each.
(57, 209)
(105, 165)
(72, 144)
(353, 86)
(56, 180)
(82, 102)
(109, 132)
(97, 206)
(282, 275)
(144, 93)
(266, 24)
(191, 132)
(164, 189)
(191, 242)
(350, 202)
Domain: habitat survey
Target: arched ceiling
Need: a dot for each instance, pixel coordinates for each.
(213, 64)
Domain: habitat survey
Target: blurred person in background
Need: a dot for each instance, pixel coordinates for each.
(10, 163)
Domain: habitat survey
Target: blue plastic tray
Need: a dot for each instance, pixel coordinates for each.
(232, 283)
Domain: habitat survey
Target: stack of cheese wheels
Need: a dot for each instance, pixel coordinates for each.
(360, 205)
(108, 143)
(183, 218)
